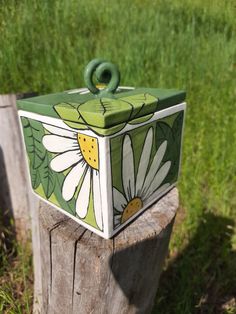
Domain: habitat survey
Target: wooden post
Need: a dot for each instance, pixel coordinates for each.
(14, 164)
(16, 198)
(83, 273)
(13, 172)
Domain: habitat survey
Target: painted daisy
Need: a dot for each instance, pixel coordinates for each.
(139, 190)
(78, 153)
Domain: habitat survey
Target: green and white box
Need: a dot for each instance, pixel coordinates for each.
(102, 155)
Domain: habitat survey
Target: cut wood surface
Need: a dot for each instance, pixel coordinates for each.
(84, 273)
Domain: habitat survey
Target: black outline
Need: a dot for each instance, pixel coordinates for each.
(89, 126)
(35, 150)
(90, 179)
(148, 167)
(129, 188)
(65, 176)
(100, 200)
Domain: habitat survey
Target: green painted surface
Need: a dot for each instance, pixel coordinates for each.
(167, 129)
(102, 112)
(46, 182)
(193, 45)
(90, 217)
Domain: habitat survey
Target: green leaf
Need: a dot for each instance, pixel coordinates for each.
(35, 177)
(105, 112)
(173, 137)
(67, 206)
(142, 104)
(75, 125)
(68, 111)
(164, 133)
(141, 119)
(33, 134)
(177, 126)
(110, 131)
(47, 177)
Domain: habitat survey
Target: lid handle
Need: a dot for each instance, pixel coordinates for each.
(104, 72)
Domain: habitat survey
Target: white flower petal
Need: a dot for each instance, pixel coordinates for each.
(65, 160)
(154, 166)
(72, 180)
(97, 199)
(158, 179)
(156, 193)
(119, 200)
(144, 161)
(82, 202)
(117, 220)
(58, 144)
(59, 131)
(128, 168)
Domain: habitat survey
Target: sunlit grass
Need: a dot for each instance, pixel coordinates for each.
(16, 283)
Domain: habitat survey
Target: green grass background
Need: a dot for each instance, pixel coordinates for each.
(186, 44)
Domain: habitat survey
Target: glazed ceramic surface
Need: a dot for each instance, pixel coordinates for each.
(103, 155)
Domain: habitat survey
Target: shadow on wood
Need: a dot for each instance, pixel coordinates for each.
(137, 268)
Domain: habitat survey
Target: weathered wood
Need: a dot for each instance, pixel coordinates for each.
(16, 197)
(83, 273)
(13, 161)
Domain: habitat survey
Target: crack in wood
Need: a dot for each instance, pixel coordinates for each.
(111, 263)
(3, 107)
(50, 249)
(74, 263)
(83, 272)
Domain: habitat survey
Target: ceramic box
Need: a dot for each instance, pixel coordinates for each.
(102, 155)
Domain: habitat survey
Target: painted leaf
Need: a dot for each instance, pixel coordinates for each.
(173, 137)
(177, 134)
(177, 125)
(68, 111)
(109, 131)
(141, 119)
(75, 125)
(33, 133)
(142, 104)
(163, 133)
(47, 177)
(104, 112)
(68, 206)
(35, 178)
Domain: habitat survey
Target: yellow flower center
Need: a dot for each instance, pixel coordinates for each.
(132, 208)
(89, 149)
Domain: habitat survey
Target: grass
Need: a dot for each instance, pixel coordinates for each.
(16, 278)
(45, 46)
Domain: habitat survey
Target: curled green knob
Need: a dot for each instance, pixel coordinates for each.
(104, 72)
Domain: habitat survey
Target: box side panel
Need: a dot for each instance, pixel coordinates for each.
(105, 184)
(145, 163)
(64, 166)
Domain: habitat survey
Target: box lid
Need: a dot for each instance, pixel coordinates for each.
(106, 106)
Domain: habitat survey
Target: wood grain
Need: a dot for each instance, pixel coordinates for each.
(15, 168)
(83, 273)
(16, 197)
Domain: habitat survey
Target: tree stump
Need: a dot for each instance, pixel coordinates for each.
(83, 273)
